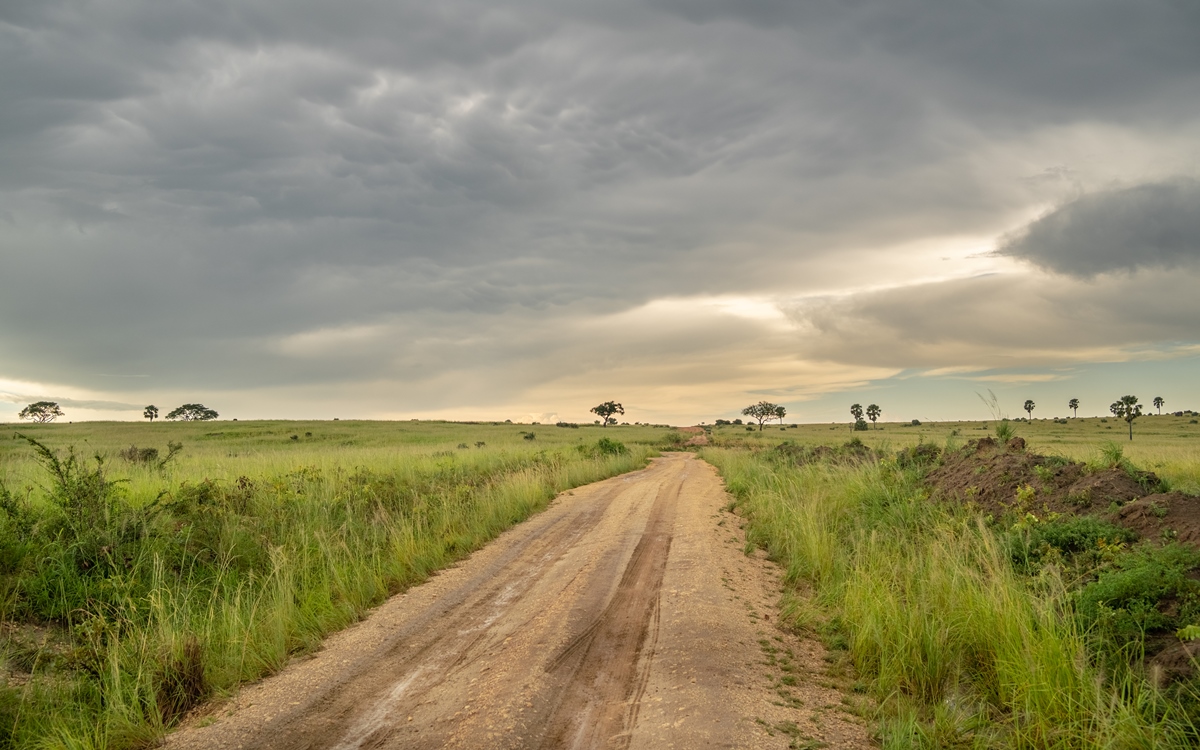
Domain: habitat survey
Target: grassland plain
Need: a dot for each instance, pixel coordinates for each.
(974, 632)
(1167, 445)
(132, 586)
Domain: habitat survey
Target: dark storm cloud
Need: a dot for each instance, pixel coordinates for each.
(214, 192)
(1156, 225)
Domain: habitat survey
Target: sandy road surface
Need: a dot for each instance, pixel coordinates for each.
(625, 616)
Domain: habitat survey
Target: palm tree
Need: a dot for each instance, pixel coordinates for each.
(1128, 409)
(856, 411)
(873, 412)
(1158, 404)
(780, 413)
(1073, 405)
(1029, 407)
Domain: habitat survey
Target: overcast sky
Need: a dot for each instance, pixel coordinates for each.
(458, 209)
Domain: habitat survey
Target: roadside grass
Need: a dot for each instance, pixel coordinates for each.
(1166, 445)
(129, 594)
(959, 648)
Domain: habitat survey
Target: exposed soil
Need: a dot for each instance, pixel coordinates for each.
(1171, 516)
(625, 616)
(998, 479)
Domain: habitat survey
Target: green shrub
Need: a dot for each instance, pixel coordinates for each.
(1084, 537)
(918, 456)
(1005, 431)
(1149, 590)
(609, 447)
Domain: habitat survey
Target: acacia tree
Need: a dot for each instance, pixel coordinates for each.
(606, 411)
(1073, 405)
(780, 413)
(41, 412)
(192, 413)
(150, 412)
(762, 411)
(1128, 409)
(1158, 404)
(873, 413)
(1029, 407)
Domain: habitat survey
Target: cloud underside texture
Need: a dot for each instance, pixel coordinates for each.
(481, 201)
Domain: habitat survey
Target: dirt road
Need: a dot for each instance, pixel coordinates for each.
(625, 616)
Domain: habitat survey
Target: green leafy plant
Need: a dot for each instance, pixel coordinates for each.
(1005, 431)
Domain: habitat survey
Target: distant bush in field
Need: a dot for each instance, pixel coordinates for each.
(136, 455)
(570, 425)
(609, 447)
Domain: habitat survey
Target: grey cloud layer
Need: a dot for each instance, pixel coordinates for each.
(208, 183)
(1155, 225)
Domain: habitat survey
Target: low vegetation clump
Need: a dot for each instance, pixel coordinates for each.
(988, 596)
(127, 600)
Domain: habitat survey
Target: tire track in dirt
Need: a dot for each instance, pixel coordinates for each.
(607, 621)
(599, 685)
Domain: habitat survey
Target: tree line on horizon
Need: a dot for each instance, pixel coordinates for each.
(42, 412)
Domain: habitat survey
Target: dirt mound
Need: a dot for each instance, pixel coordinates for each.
(1176, 661)
(1171, 516)
(999, 479)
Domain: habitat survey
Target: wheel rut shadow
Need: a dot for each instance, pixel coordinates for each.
(602, 674)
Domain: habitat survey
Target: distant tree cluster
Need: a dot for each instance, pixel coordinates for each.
(763, 411)
(41, 412)
(872, 412)
(606, 411)
(191, 413)
(1127, 408)
(47, 411)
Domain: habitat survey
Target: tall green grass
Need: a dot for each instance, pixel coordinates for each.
(127, 603)
(959, 649)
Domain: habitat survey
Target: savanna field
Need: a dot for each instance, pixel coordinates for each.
(135, 586)
(976, 592)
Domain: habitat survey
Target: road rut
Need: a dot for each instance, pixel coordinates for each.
(624, 616)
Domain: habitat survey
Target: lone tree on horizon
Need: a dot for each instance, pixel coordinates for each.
(762, 411)
(873, 413)
(856, 411)
(606, 411)
(41, 412)
(1158, 404)
(192, 413)
(1029, 407)
(151, 412)
(1128, 409)
(780, 413)
(1073, 405)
